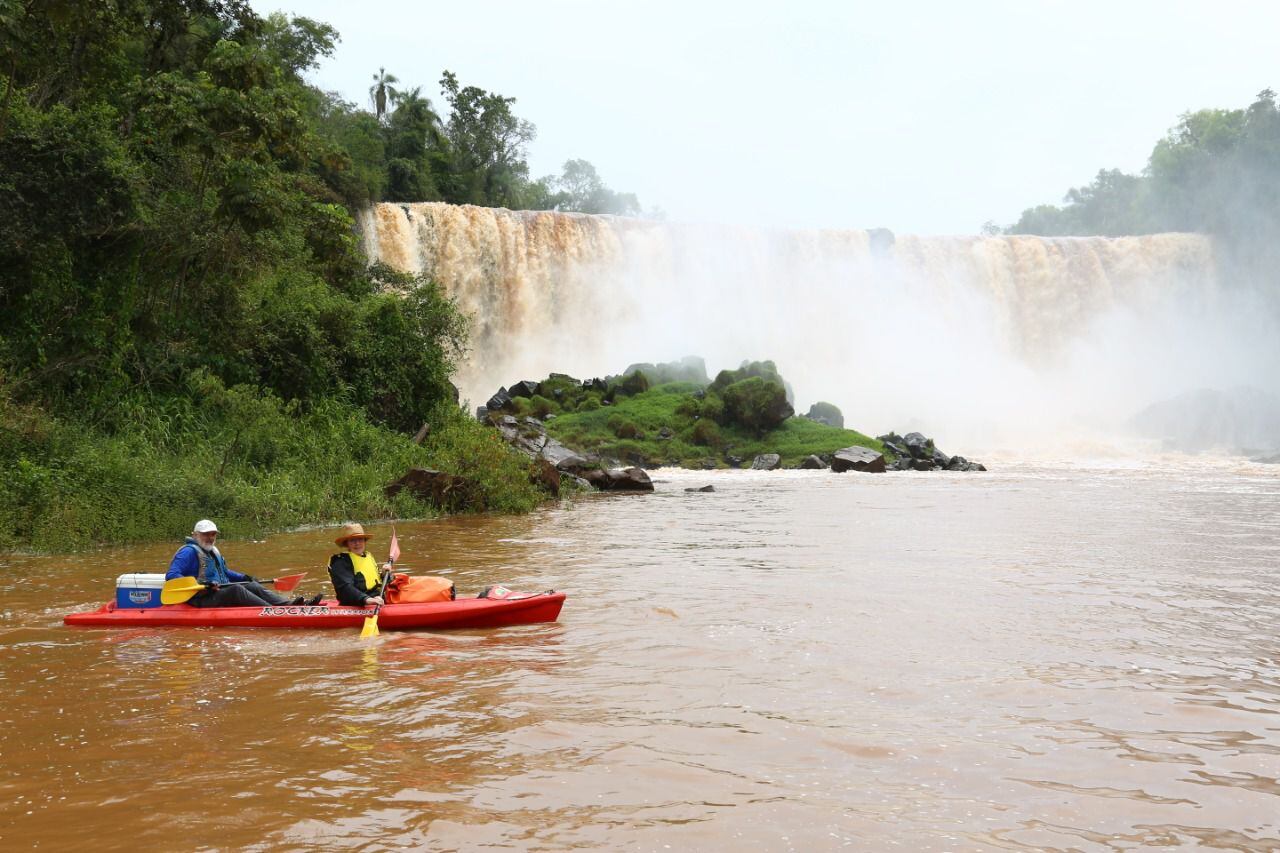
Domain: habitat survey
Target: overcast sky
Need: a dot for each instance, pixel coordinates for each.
(927, 117)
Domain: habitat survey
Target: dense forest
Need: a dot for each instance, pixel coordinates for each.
(187, 325)
(1216, 172)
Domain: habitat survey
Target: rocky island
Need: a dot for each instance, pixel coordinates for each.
(604, 432)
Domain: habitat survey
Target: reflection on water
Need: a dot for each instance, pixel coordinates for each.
(1054, 656)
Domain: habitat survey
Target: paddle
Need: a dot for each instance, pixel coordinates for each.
(370, 628)
(178, 590)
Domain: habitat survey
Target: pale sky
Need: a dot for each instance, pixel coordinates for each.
(923, 117)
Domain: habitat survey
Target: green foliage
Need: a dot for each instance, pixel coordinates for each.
(623, 427)
(756, 403)
(763, 369)
(186, 321)
(580, 188)
(238, 454)
(635, 383)
(712, 407)
(706, 432)
(1216, 172)
(541, 407)
(676, 408)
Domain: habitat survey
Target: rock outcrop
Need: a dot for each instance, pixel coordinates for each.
(915, 452)
(766, 462)
(858, 459)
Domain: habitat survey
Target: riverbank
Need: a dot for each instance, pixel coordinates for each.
(253, 463)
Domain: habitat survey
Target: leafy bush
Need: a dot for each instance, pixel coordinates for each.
(623, 427)
(706, 432)
(757, 404)
(541, 407)
(636, 383)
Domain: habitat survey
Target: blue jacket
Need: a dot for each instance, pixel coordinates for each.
(186, 563)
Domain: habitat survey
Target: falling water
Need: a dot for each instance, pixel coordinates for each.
(976, 335)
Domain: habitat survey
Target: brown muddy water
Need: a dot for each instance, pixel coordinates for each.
(1058, 657)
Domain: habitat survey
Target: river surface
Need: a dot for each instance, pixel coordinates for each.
(1051, 656)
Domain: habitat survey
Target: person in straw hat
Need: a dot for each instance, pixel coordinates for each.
(355, 573)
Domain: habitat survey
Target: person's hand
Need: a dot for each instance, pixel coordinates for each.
(249, 578)
(212, 586)
(386, 567)
(374, 599)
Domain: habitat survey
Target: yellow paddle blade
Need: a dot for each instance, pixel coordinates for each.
(370, 628)
(179, 590)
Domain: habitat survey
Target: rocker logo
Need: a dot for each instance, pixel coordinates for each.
(318, 610)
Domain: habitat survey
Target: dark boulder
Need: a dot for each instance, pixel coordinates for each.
(562, 457)
(525, 388)
(857, 459)
(499, 402)
(894, 444)
(813, 463)
(702, 489)
(959, 463)
(916, 444)
(630, 480)
(923, 465)
(734, 461)
(940, 459)
(766, 462)
(448, 492)
(619, 479)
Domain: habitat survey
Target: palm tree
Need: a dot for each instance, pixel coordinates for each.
(418, 112)
(381, 90)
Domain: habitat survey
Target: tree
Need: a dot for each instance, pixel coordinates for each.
(488, 145)
(580, 189)
(382, 90)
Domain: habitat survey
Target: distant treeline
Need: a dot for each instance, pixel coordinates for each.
(406, 151)
(1216, 172)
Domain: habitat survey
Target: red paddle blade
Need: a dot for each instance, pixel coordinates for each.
(393, 553)
(289, 582)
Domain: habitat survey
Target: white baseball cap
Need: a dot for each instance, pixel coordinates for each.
(204, 525)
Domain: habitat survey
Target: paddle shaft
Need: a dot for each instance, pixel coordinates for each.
(370, 628)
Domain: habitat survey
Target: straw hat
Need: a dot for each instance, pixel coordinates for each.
(350, 531)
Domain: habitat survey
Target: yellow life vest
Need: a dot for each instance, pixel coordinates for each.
(366, 567)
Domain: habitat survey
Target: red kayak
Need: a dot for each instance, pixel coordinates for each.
(434, 616)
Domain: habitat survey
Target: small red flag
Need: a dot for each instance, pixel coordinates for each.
(394, 552)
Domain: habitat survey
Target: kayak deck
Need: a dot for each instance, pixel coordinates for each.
(435, 615)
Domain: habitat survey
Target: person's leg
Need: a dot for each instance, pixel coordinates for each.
(231, 595)
(265, 594)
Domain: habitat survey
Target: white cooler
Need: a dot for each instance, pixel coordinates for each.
(138, 590)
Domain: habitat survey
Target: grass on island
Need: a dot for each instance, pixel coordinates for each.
(629, 431)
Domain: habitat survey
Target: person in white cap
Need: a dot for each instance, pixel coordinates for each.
(200, 558)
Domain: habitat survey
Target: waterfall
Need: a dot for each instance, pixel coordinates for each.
(895, 330)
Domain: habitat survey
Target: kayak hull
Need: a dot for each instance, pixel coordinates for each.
(433, 616)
